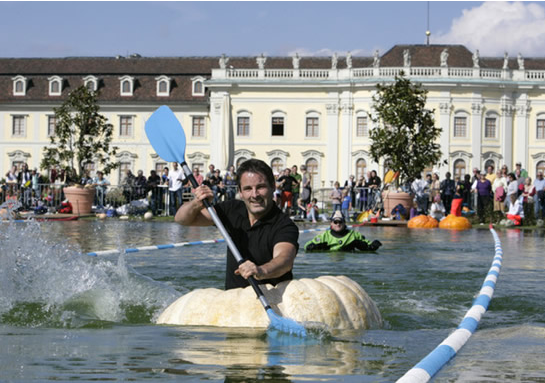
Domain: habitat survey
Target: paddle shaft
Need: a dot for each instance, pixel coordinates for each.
(189, 174)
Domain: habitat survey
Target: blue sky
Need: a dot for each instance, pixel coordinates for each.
(280, 28)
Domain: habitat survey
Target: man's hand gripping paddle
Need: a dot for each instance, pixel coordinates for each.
(166, 135)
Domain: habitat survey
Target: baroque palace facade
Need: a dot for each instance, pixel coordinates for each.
(285, 110)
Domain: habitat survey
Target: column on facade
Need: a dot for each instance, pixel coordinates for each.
(476, 132)
(220, 126)
(521, 130)
(332, 150)
(506, 131)
(345, 158)
(444, 140)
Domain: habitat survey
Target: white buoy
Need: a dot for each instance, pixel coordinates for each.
(148, 215)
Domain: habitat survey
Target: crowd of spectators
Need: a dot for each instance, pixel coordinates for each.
(492, 195)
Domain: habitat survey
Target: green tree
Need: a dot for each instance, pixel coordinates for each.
(406, 134)
(82, 136)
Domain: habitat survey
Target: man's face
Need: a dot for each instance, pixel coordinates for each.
(175, 165)
(540, 175)
(337, 225)
(256, 193)
(294, 169)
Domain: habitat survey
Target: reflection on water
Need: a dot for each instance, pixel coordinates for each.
(68, 316)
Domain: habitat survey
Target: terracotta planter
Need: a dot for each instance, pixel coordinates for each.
(392, 199)
(80, 198)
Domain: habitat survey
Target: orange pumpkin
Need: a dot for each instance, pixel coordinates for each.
(455, 223)
(422, 222)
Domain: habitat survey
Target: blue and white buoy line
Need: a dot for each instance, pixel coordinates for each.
(424, 370)
(179, 244)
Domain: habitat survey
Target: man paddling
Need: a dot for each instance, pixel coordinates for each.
(265, 237)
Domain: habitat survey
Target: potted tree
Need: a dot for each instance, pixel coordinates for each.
(82, 136)
(405, 134)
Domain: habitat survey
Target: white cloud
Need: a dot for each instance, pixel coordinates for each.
(496, 27)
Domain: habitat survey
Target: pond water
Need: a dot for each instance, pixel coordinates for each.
(65, 315)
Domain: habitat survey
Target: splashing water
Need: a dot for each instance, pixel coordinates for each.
(47, 283)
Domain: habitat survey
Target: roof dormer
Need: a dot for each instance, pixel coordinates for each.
(126, 84)
(91, 83)
(55, 85)
(19, 85)
(163, 85)
(197, 86)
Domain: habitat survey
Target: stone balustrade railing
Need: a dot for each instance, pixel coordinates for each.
(363, 73)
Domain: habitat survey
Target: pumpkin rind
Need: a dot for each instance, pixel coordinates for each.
(336, 301)
(422, 222)
(454, 222)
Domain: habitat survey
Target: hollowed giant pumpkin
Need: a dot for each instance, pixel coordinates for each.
(422, 222)
(455, 223)
(338, 302)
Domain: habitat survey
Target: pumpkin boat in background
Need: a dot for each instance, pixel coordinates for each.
(453, 222)
(422, 222)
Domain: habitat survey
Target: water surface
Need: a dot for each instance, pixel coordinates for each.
(67, 316)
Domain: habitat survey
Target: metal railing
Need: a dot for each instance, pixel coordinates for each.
(49, 197)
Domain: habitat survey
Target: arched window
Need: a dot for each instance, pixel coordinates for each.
(361, 168)
(540, 167)
(312, 169)
(277, 165)
(489, 163)
(163, 86)
(197, 86)
(19, 85)
(55, 86)
(239, 162)
(91, 83)
(127, 85)
(459, 169)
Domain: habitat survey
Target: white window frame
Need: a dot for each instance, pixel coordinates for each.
(193, 117)
(16, 80)
(194, 81)
(52, 81)
(91, 80)
(248, 115)
(274, 114)
(132, 119)
(314, 115)
(460, 114)
(51, 117)
(123, 80)
(494, 116)
(162, 80)
(23, 117)
(362, 114)
(540, 116)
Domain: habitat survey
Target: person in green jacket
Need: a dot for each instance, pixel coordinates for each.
(340, 238)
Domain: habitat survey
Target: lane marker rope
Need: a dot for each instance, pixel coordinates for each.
(182, 244)
(424, 370)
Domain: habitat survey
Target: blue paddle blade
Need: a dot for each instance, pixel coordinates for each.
(285, 325)
(166, 135)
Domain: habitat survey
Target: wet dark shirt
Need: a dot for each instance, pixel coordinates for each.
(255, 243)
